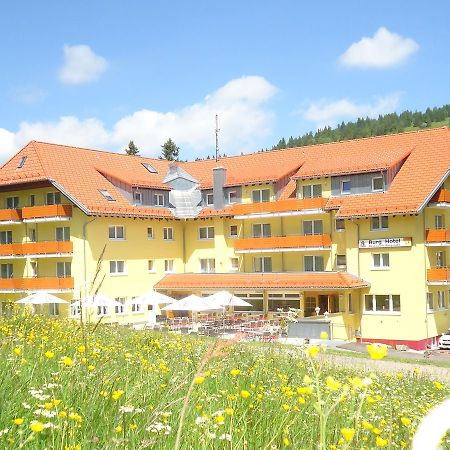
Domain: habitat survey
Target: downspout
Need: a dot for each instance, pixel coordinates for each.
(425, 269)
(184, 245)
(359, 276)
(84, 254)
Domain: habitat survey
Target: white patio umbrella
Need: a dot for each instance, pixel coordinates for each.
(98, 300)
(225, 298)
(41, 298)
(191, 303)
(152, 298)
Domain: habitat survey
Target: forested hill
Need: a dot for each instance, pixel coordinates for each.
(386, 124)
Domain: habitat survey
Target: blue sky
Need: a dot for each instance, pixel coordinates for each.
(98, 74)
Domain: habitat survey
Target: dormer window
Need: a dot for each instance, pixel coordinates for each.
(346, 186)
(137, 198)
(261, 195)
(22, 162)
(312, 191)
(210, 199)
(377, 184)
(159, 199)
(150, 168)
(107, 195)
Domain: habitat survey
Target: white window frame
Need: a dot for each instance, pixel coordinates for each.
(209, 199)
(229, 197)
(151, 262)
(103, 311)
(439, 222)
(74, 311)
(150, 234)
(105, 193)
(54, 196)
(120, 310)
(391, 305)
(64, 265)
(7, 234)
(341, 266)
(380, 223)
(159, 199)
(114, 266)
(430, 300)
(168, 234)
(441, 300)
(14, 200)
(53, 309)
(136, 307)
(346, 192)
(207, 265)
(310, 188)
(263, 263)
(384, 261)
(440, 259)
(234, 268)
(169, 266)
(237, 231)
(209, 235)
(314, 264)
(382, 184)
(314, 224)
(65, 234)
(137, 197)
(260, 195)
(336, 228)
(262, 227)
(115, 233)
(32, 200)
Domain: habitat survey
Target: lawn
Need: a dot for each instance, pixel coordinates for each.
(67, 387)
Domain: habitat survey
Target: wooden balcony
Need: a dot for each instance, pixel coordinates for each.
(50, 284)
(283, 244)
(437, 238)
(36, 250)
(439, 275)
(10, 216)
(441, 196)
(289, 207)
(46, 213)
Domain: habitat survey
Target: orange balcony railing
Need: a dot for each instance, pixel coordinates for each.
(36, 248)
(10, 215)
(36, 284)
(280, 206)
(46, 212)
(441, 196)
(282, 242)
(438, 274)
(438, 236)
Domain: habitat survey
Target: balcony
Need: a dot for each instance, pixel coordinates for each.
(438, 275)
(437, 238)
(49, 284)
(46, 213)
(441, 199)
(281, 208)
(283, 244)
(36, 250)
(10, 216)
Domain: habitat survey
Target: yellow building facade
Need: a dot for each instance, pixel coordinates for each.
(356, 232)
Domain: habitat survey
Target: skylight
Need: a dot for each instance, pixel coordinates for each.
(22, 162)
(107, 195)
(150, 168)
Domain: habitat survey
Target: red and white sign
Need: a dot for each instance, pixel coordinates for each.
(385, 242)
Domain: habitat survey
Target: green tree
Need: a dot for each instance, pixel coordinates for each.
(132, 149)
(170, 150)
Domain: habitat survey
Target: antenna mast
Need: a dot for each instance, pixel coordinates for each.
(217, 137)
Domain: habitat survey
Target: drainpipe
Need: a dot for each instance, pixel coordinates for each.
(425, 269)
(84, 253)
(359, 276)
(184, 245)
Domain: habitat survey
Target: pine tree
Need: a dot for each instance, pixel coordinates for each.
(170, 150)
(132, 149)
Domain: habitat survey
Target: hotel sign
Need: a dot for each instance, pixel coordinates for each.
(385, 242)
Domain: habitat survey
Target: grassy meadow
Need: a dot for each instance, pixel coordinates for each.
(67, 387)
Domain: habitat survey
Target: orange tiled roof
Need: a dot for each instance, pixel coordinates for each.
(300, 280)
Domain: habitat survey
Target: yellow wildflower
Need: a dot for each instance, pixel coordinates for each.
(49, 354)
(117, 394)
(37, 427)
(367, 425)
(286, 441)
(377, 351)
(332, 384)
(305, 390)
(67, 361)
(312, 350)
(229, 411)
(307, 379)
(405, 421)
(381, 442)
(235, 372)
(199, 380)
(18, 421)
(438, 385)
(348, 433)
(285, 407)
(245, 394)
(133, 426)
(18, 351)
(119, 429)
(219, 419)
(81, 349)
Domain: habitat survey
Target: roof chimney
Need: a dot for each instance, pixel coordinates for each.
(219, 180)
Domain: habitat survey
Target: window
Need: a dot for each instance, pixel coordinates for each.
(262, 264)
(440, 259)
(32, 235)
(102, 310)
(117, 267)
(255, 298)
(207, 265)
(261, 195)
(382, 303)
(32, 200)
(62, 234)
(22, 162)
(312, 191)
(63, 269)
(150, 168)
(339, 225)
(206, 233)
(430, 301)
(379, 223)
(116, 232)
(439, 222)
(232, 197)
(107, 195)
(261, 230)
(234, 264)
(6, 270)
(350, 304)
(135, 307)
(377, 184)
(151, 265)
(53, 309)
(75, 309)
(33, 265)
(12, 202)
(283, 301)
(311, 227)
(53, 198)
(441, 299)
(313, 263)
(5, 237)
(380, 261)
(210, 199)
(233, 230)
(159, 199)
(341, 261)
(120, 309)
(168, 265)
(346, 186)
(168, 233)
(137, 198)
(150, 233)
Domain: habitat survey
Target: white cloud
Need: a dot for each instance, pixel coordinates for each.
(7, 144)
(29, 95)
(81, 65)
(384, 49)
(329, 113)
(240, 104)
